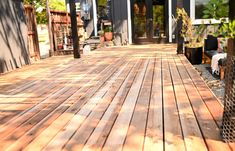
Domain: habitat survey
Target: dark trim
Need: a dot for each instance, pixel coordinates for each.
(186, 5)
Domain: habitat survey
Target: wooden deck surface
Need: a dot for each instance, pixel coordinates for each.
(115, 99)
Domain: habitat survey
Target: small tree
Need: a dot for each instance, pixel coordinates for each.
(40, 6)
(191, 34)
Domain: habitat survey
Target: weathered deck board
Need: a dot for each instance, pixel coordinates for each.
(154, 128)
(191, 131)
(136, 132)
(204, 118)
(173, 135)
(115, 99)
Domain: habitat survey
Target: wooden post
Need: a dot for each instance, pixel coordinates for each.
(73, 15)
(51, 51)
(180, 39)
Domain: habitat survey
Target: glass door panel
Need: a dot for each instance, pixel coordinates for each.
(140, 21)
(158, 19)
(148, 20)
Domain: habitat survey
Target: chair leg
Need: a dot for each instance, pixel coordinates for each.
(221, 72)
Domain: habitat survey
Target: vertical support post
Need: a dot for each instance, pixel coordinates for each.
(170, 19)
(180, 39)
(94, 16)
(129, 21)
(73, 15)
(49, 24)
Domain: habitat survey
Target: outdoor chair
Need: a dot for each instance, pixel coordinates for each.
(215, 54)
(210, 46)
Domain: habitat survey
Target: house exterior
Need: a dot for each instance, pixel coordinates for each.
(13, 36)
(143, 21)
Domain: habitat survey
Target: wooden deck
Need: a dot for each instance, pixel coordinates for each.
(116, 99)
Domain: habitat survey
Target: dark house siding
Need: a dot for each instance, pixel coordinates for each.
(231, 10)
(119, 18)
(13, 36)
(186, 5)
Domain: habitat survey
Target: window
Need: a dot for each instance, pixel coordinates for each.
(199, 7)
(220, 6)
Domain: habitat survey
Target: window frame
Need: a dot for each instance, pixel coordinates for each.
(201, 21)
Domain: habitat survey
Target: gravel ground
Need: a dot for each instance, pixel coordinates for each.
(213, 81)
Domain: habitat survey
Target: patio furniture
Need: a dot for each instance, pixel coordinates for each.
(215, 62)
(218, 64)
(210, 46)
(222, 67)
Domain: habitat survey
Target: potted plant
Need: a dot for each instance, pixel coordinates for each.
(108, 33)
(101, 34)
(193, 38)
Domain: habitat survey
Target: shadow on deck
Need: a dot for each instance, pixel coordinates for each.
(129, 98)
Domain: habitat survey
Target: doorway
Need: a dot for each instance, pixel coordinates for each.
(148, 21)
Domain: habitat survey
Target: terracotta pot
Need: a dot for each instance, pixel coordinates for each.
(108, 36)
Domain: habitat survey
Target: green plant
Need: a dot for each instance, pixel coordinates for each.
(216, 9)
(101, 32)
(108, 29)
(192, 34)
(228, 29)
(40, 6)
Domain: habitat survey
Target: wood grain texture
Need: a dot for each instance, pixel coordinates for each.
(129, 98)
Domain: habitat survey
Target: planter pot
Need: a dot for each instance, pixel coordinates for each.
(228, 122)
(108, 36)
(194, 55)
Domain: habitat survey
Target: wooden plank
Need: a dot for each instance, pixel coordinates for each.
(32, 70)
(208, 97)
(52, 96)
(232, 146)
(154, 130)
(82, 134)
(191, 131)
(136, 132)
(37, 122)
(101, 132)
(208, 126)
(173, 138)
(54, 106)
(118, 133)
(30, 133)
(59, 130)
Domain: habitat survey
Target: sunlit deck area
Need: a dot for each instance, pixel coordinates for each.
(130, 98)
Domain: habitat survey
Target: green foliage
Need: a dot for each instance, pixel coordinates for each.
(57, 5)
(186, 29)
(216, 9)
(228, 29)
(158, 16)
(101, 32)
(108, 29)
(192, 34)
(102, 2)
(40, 6)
